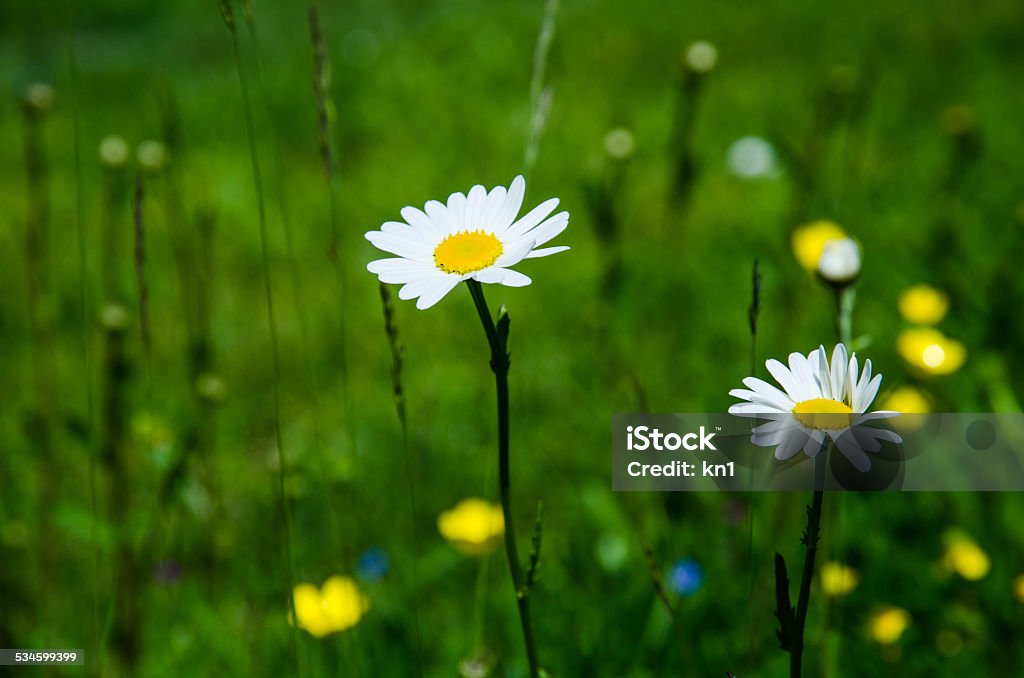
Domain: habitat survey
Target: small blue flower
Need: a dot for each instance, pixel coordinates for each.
(373, 564)
(685, 577)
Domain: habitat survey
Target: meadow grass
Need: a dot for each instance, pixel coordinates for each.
(428, 99)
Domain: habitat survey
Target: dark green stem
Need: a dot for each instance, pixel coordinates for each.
(500, 365)
(811, 544)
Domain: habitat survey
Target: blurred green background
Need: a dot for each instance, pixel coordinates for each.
(140, 507)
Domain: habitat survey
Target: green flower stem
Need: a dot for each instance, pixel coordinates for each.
(498, 342)
(845, 296)
(811, 543)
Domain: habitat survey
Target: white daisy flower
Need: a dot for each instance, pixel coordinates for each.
(817, 401)
(474, 236)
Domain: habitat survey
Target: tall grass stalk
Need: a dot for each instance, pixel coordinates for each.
(118, 462)
(227, 13)
(397, 360)
(139, 228)
(38, 271)
(138, 224)
(753, 313)
(684, 126)
(497, 339)
(540, 96)
(85, 336)
(330, 169)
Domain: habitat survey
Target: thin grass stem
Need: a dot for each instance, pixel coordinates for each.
(250, 127)
(540, 96)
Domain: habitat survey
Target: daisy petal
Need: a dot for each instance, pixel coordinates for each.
(399, 270)
(445, 219)
(852, 451)
(475, 201)
(815, 441)
(510, 208)
(792, 444)
(403, 230)
(403, 247)
(545, 251)
(436, 291)
(784, 377)
(493, 203)
(504, 276)
(531, 219)
(746, 409)
(415, 288)
(809, 388)
(514, 253)
(549, 229)
(769, 392)
(864, 396)
(419, 220)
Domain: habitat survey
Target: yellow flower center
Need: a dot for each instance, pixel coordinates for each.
(467, 251)
(823, 413)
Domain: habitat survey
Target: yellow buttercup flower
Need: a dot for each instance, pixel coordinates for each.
(809, 242)
(887, 626)
(1018, 587)
(838, 579)
(923, 304)
(929, 351)
(474, 526)
(337, 606)
(907, 400)
(966, 558)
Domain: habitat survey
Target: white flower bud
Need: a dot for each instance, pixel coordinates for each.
(840, 261)
(114, 151)
(701, 56)
(39, 96)
(152, 155)
(752, 157)
(114, 317)
(619, 143)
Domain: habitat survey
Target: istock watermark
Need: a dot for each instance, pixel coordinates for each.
(714, 451)
(644, 437)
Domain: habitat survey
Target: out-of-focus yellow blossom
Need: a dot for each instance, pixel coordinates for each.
(474, 526)
(337, 606)
(923, 304)
(907, 400)
(809, 241)
(1018, 587)
(838, 579)
(887, 626)
(965, 557)
(929, 351)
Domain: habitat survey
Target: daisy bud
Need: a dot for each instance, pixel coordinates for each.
(839, 263)
(114, 151)
(752, 157)
(211, 387)
(701, 56)
(39, 97)
(114, 318)
(152, 155)
(619, 143)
